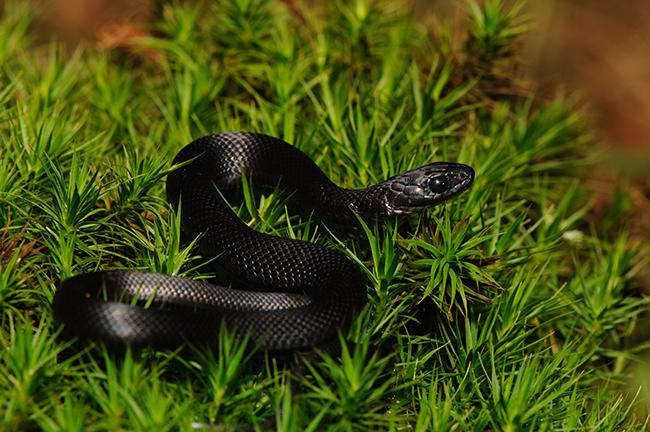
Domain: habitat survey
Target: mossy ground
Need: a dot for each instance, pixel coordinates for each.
(531, 308)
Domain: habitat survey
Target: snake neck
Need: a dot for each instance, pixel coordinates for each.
(338, 204)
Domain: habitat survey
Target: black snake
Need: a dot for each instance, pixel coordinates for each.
(295, 294)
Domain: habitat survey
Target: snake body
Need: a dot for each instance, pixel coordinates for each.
(295, 294)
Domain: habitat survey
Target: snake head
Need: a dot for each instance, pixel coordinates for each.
(427, 186)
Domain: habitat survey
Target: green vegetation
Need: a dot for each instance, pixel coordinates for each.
(525, 309)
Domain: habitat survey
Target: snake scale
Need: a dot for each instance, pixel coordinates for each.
(294, 294)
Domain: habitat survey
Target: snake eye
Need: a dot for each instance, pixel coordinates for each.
(438, 185)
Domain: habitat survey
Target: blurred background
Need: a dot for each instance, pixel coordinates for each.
(600, 51)
(596, 47)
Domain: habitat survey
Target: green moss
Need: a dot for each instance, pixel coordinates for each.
(524, 314)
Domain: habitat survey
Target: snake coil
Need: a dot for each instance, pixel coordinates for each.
(300, 293)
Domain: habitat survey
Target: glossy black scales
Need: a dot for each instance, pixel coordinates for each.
(308, 291)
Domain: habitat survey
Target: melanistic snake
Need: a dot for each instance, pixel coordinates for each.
(300, 293)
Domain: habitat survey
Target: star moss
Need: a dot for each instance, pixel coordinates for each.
(503, 309)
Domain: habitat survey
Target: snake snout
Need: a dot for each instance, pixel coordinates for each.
(460, 177)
